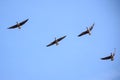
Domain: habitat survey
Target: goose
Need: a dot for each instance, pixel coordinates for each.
(88, 31)
(111, 56)
(56, 41)
(18, 25)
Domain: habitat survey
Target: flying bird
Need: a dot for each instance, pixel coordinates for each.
(18, 25)
(88, 31)
(56, 41)
(111, 56)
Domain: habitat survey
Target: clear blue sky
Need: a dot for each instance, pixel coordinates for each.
(24, 55)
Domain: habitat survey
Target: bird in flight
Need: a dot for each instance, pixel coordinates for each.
(111, 56)
(88, 31)
(18, 25)
(56, 41)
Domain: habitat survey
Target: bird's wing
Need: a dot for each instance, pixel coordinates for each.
(12, 27)
(91, 27)
(51, 43)
(59, 39)
(83, 33)
(106, 58)
(23, 22)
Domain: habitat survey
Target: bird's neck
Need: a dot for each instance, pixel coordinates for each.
(88, 30)
(56, 41)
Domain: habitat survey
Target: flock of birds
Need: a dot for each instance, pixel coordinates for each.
(88, 31)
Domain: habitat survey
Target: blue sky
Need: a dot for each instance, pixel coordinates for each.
(24, 55)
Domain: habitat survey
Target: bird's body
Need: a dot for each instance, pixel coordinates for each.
(88, 31)
(111, 57)
(56, 41)
(18, 25)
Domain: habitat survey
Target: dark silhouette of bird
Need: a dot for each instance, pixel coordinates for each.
(18, 25)
(56, 41)
(111, 56)
(88, 31)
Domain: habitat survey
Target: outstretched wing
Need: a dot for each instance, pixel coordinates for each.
(91, 27)
(83, 33)
(21, 23)
(51, 43)
(59, 39)
(106, 58)
(12, 27)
